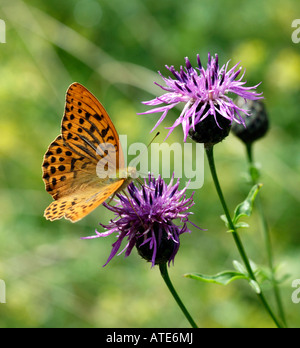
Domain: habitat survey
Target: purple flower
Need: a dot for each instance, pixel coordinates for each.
(146, 219)
(205, 93)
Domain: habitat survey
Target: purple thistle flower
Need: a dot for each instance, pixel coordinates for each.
(204, 92)
(146, 218)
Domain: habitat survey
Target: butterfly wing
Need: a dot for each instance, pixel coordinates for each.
(79, 204)
(72, 181)
(86, 126)
(70, 163)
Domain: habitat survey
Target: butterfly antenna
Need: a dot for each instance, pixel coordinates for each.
(156, 135)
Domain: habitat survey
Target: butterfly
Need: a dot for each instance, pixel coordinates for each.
(71, 170)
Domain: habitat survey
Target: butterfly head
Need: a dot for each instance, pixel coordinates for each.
(128, 173)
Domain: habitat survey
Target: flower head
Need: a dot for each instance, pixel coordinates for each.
(205, 92)
(256, 126)
(146, 218)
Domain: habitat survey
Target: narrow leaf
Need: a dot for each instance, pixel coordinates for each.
(241, 225)
(239, 267)
(222, 278)
(245, 208)
(255, 286)
(224, 218)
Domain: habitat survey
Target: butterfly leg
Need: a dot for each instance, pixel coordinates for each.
(140, 181)
(111, 198)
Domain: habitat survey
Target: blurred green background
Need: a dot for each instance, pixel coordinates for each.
(115, 48)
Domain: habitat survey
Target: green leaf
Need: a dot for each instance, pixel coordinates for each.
(255, 286)
(237, 225)
(224, 218)
(226, 277)
(239, 267)
(245, 208)
(241, 225)
(222, 278)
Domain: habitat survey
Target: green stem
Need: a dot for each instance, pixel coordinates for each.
(164, 273)
(266, 235)
(238, 242)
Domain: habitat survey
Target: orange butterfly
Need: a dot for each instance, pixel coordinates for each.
(71, 170)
